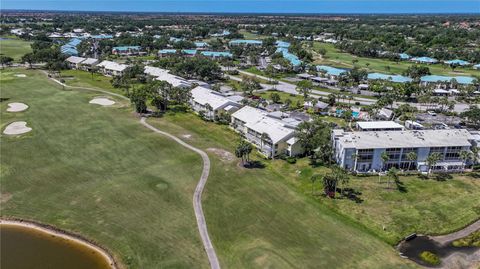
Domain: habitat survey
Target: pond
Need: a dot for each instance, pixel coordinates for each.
(414, 247)
(24, 247)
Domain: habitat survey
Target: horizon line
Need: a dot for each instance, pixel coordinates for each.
(242, 13)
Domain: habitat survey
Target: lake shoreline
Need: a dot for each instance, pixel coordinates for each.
(50, 229)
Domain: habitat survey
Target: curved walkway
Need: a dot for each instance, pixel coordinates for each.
(443, 239)
(197, 196)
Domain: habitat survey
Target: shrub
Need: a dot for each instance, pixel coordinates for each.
(430, 258)
(291, 160)
(357, 103)
(473, 240)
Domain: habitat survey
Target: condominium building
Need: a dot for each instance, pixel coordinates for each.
(362, 151)
(211, 103)
(272, 136)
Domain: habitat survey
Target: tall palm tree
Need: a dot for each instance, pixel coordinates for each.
(392, 173)
(432, 160)
(465, 156)
(411, 157)
(263, 137)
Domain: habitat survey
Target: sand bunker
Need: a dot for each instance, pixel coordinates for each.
(16, 107)
(18, 127)
(20, 75)
(102, 101)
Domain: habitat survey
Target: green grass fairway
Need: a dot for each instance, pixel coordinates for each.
(336, 58)
(422, 206)
(14, 48)
(258, 220)
(96, 171)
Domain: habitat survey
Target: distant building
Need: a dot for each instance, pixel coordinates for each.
(110, 68)
(362, 151)
(88, 64)
(245, 42)
(164, 75)
(379, 126)
(127, 50)
(457, 62)
(74, 61)
(424, 60)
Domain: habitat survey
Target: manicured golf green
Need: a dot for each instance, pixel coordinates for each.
(336, 58)
(14, 47)
(257, 219)
(96, 171)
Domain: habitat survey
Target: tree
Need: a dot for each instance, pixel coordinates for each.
(264, 137)
(330, 185)
(392, 173)
(5, 60)
(465, 156)
(243, 151)
(385, 157)
(314, 136)
(304, 87)
(472, 115)
(340, 176)
(138, 98)
(275, 97)
(411, 157)
(432, 160)
(28, 58)
(249, 85)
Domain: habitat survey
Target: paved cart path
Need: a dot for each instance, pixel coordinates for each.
(197, 196)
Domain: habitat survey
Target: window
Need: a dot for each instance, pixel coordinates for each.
(440, 150)
(453, 153)
(394, 154)
(364, 155)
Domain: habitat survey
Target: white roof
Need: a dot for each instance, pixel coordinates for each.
(405, 139)
(90, 61)
(174, 80)
(276, 130)
(205, 96)
(75, 59)
(440, 91)
(378, 125)
(109, 65)
(249, 114)
(154, 71)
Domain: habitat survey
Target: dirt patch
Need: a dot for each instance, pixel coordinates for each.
(20, 75)
(223, 154)
(187, 136)
(4, 197)
(16, 128)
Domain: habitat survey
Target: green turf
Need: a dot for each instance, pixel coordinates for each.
(258, 220)
(14, 48)
(422, 206)
(344, 60)
(97, 171)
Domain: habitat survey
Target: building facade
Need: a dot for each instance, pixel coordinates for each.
(364, 151)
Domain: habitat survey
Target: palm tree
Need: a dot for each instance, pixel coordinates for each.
(411, 157)
(385, 158)
(432, 160)
(263, 137)
(392, 173)
(209, 109)
(465, 156)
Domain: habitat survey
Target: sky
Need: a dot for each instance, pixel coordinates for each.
(252, 6)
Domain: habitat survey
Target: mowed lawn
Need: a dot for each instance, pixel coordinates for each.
(257, 219)
(96, 171)
(336, 58)
(14, 48)
(392, 211)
